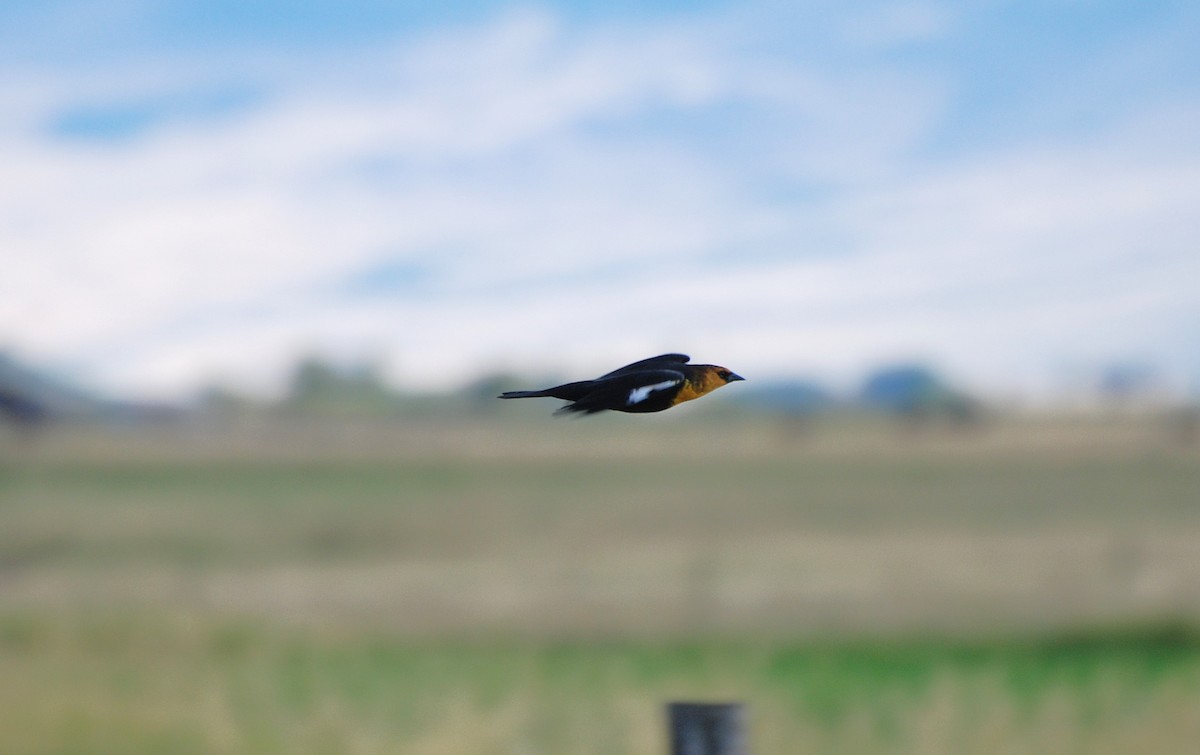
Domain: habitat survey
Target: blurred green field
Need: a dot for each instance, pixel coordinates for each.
(546, 587)
(139, 684)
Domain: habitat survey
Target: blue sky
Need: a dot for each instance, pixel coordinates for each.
(200, 191)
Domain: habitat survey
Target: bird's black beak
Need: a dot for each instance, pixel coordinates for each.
(733, 376)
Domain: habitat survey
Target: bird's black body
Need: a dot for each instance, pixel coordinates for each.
(650, 385)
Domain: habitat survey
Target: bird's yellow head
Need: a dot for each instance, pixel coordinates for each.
(705, 379)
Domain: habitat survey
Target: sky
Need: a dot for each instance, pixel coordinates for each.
(199, 192)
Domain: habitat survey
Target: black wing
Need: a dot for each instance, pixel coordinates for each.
(645, 391)
(660, 362)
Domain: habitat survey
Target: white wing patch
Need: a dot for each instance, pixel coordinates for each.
(638, 395)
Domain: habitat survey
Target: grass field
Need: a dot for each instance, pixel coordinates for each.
(138, 684)
(546, 587)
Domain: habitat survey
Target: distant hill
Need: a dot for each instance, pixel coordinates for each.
(795, 397)
(900, 388)
(912, 390)
(31, 396)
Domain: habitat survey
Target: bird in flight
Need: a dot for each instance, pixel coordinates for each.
(650, 385)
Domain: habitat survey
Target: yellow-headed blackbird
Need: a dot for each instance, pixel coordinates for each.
(650, 385)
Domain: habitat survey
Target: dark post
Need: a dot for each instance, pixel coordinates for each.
(707, 728)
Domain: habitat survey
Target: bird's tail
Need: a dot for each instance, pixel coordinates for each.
(525, 394)
(566, 391)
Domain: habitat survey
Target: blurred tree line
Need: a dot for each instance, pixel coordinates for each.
(319, 387)
(912, 395)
